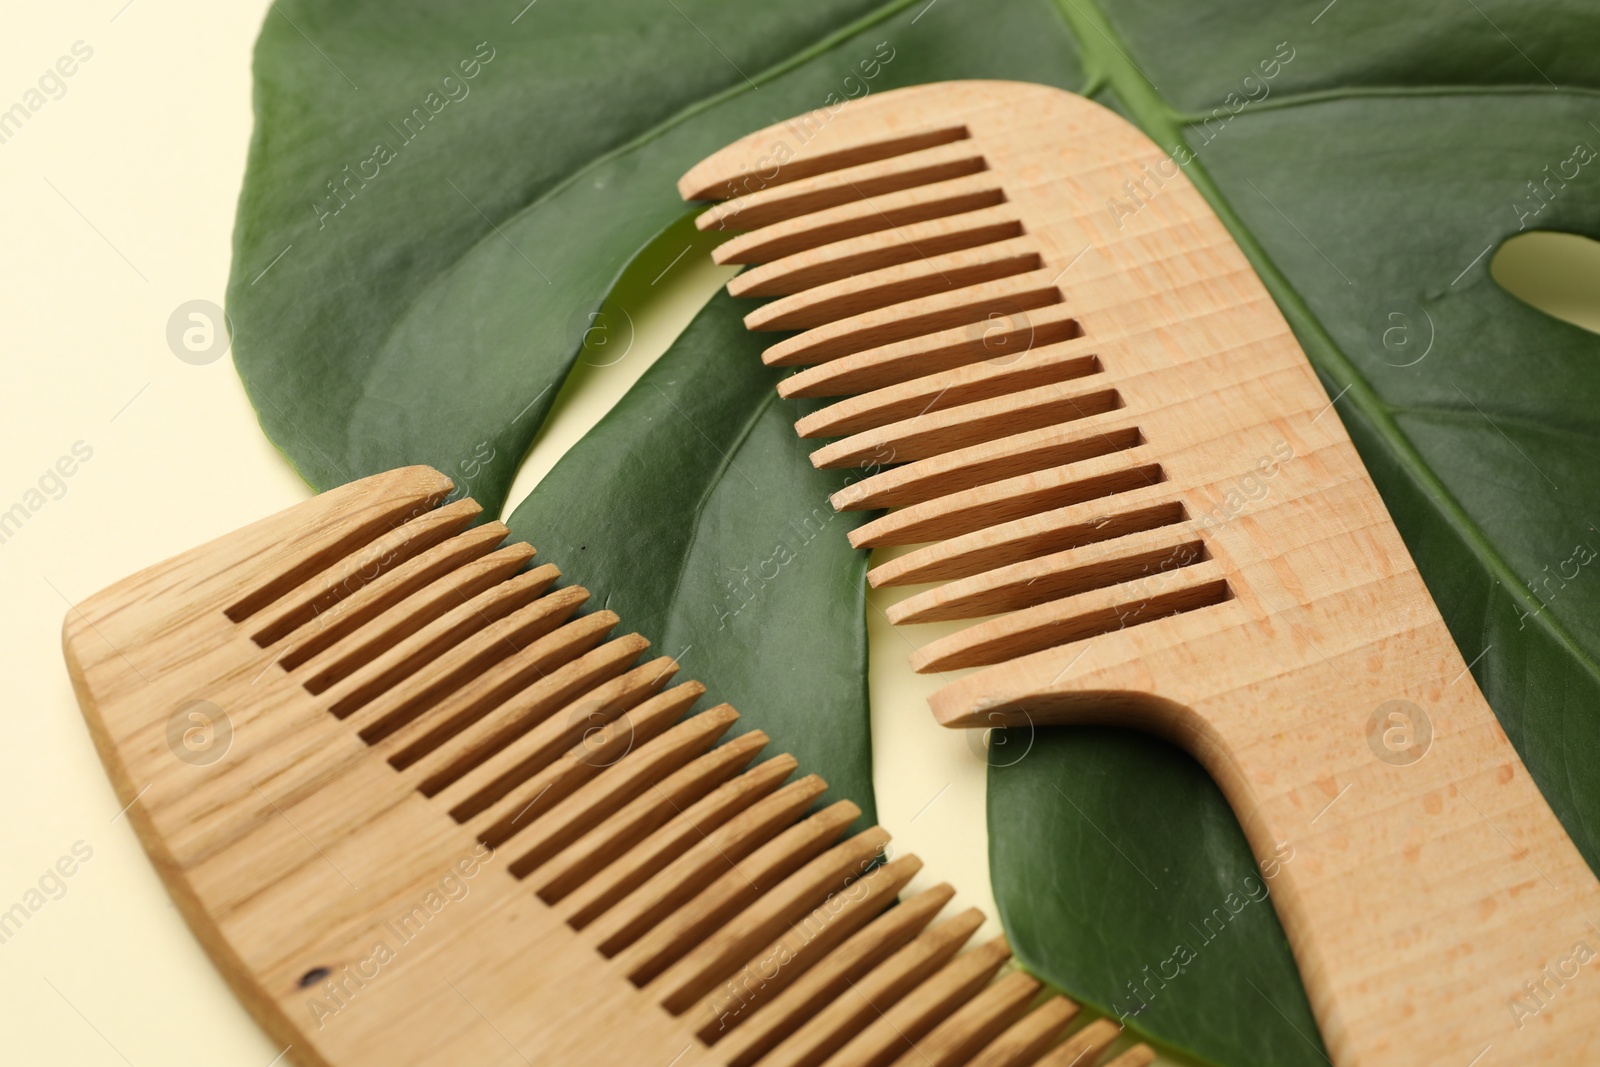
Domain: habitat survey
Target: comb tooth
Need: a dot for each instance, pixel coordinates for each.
(995, 339)
(1037, 535)
(395, 689)
(991, 461)
(331, 662)
(645, 739)
(928, 435)
(1084, 1046)
(715, 958)
(1052, 531)
(1059, 574)
(525, 732)
(750, 877)
(436, 617)
(1058, 622)
(1029, 1037)
(899, 1028)
(1012, 498)
(732, 821)
(412, 722)
(461, 554)
(831, 977)
(1051, 365)
(540, 752)
(322, 591)
(577, 655)
(724, 174)
(750, 988)
(620, 781)
(954, 197)
(523, 799)
(974, 1024)
(807, 196)
(970, 307)
(874, 251)
(876, 994)
(338, 523)
(898, 284)
(711, 788)
(696, 868)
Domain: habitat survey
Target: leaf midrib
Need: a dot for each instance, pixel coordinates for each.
(1162, 121)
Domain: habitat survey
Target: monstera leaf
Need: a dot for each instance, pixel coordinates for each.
(440, 197)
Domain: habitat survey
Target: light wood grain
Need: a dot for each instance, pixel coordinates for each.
(462, 824)
(1097, 432)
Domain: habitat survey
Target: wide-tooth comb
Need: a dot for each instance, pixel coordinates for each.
(1082, 407)
(419, 811)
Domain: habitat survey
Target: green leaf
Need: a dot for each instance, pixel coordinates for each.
(433, 318)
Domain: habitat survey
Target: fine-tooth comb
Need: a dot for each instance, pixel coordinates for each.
(1079, 403)
(421, 811)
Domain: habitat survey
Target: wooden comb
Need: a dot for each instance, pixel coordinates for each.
(1081, 405)
(421, 811)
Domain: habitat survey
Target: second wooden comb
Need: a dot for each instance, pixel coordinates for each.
(421, 811)
(1106, 445)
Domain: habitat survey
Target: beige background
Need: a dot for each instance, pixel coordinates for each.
(118, 204)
